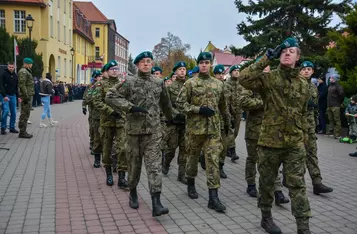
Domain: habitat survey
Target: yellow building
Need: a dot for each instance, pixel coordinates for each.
(52, 29)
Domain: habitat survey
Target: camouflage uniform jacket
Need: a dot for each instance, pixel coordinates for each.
(144, 91)
(312, 109)
(252, 103)
(203, 91)
(98, 101)
(88, 100)
(173, 91)
(26, 84)
(233, 91)
(285, 94)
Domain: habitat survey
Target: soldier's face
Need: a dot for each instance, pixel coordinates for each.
(204, 66)
(289, 57)
(99, 78)
(307, 72)
(168, 82)
(157, 74)
(173, 78)
(145, 65)
(219, 76)
(181, 73)
(113, 71)
(235, 73)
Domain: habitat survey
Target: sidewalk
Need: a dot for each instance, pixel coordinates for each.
(48, 185)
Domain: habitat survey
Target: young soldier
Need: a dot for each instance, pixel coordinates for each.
(157, 72)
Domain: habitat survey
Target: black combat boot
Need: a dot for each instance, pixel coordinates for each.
(280, 198)
(96, 161)
(214, 203)
(252, 190)
(228, 154)
(181, 175)
(191, 189)
(202, 161)
(108, 170)
(321, 188)
(268, 223)
(122, 183)
(157, 208)
(303, 226)
(25, 135)
(353, 154)
(165, 169)
(222, 174)
(133, 199)
(234, 155)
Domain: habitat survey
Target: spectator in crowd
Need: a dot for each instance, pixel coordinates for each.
(36, 99)
(323, 90)
(46, 90)
(61, 90)
(335, 96)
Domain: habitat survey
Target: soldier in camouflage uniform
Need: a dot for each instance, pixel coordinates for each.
(142, 97)
(202, 100)
(112, 125)
(285, 94)
(94, 116)
(26, 91)
(218, 72)
(233, 92)
(175, 130)
(252, 103)
(307, 69)
(157, 72)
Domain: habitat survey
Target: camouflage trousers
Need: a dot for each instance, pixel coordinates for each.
(334, 120)
(175, 138)
(147, 147)
(91, 135)
(226, 139)
(232, 137)
(25, 115)
(97, 146)
(312, 162)
(251, 165)
(211, 145)
(294, 161)
(109, 135)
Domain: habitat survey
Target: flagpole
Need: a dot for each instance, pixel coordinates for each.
(15, 55)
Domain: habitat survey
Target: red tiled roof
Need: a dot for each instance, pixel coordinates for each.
(25, 2)
(79, 24)
(228, 59)
(91, 11)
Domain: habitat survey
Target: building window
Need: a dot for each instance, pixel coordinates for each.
(65, 67)
(19, 21)
(78, 44)
(64, 8)
(59, 65)
(70, 9)
(51, 26)
(70, 70)
(58, 3)
(97, 52)
(64, 34)
(97, 32)
(2, 18)
(70, 37)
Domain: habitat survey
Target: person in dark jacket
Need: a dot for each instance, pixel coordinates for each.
(61, 89)
(335, 96)
(9, 93)
(36, 100)
(323, 90)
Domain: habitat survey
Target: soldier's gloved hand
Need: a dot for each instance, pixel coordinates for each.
(206, 111)
(115, 115)
(84, 111)
(137, 109)
(273, 53)
(180, 118)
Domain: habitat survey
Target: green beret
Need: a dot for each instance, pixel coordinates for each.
(166, 78)
(290, 42)
(28, 61)
(172, 73)
(307, 64)
(112, 63)
(178, 65)
(204, 56)
(105, 68)
(96, 73)
(218, 69)
(155, 69)
(145, 54)
(234, 67)
(195, 70)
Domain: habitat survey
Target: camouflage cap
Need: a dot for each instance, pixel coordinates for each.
(155, 69)
(145, 54)
(218, 69)
(178, 65)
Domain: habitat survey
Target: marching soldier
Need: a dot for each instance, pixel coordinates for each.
(26, 91)
(202, 100)
(112, 125)
(142, 97)
(285, 94)
(175, 130)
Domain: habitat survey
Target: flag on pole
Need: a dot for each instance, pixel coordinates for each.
(16, 52)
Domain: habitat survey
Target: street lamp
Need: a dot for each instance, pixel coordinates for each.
(29, 23)
(72, 53)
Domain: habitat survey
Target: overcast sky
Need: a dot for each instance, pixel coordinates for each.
(196, 22)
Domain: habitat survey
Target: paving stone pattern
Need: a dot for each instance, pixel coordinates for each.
(48, 185)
